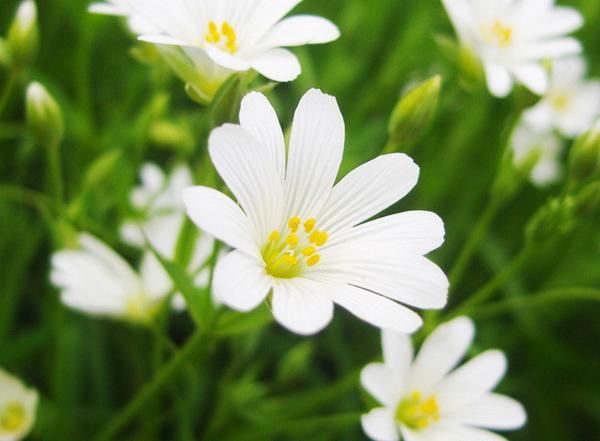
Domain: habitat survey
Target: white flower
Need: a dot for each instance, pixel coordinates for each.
(539, 150)
(571, 103)
(511, 37)
(297, 237)
(137, 24)
(18, 405)
(423, 401)
(224, 36)
(96, 280)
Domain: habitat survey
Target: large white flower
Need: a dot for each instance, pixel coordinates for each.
(136, 23)
(539, 151)
(18, 405)
(511, 37)
(299, 237)
(571, 103)
(423, 401)
(98, 281)
(224, 36)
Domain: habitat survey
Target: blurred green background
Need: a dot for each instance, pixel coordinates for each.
(270, 384)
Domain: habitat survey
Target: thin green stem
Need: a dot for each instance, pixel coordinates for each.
(11, 82)
(55, 175)
(537, 300)
(490, 288)
(197, 342)
(464, 258)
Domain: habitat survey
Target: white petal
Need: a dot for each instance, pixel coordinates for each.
(367, 190)
(461, 16)
(533, 76)
(559, 21)
(539, 117)
(106, 8)
(163, 39)
(249, 170)
(252, 19)
(301, 305)
(156, 281)
(550, 49)
(491, 411)
(498, 80)
(299, 30)
(225, 59)
(407, 278)
(472, 380)
(315, 153)
(383, 383)
(379, 424)
(441, 352)
(219, 216)
(258, 117)
(452, 431)
(416, 232)
(240, 281)
(277, 65)
(375, 309)
(397, 350)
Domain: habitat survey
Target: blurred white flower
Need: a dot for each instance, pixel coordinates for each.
(96, 280)
(18, 405)
(424, 401)
(571, 103)
(539, 152)
(512, 37)
(224, 36)
(137, 24)
(298, 239)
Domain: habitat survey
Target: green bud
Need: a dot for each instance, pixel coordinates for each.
(44, 115)
(414, 112)
(551, 220)
(584, 158)
(23, 39)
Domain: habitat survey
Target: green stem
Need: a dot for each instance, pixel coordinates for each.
(199, 340)
(55, 175)
(539, 299)
(464, 258)
(7, 91)
(490, 288)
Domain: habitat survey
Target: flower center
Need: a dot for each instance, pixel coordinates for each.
(140, 308)
(560, 101)
(286, 254)
(415, 413)
(497, 34)
(225, 35)
(12, 417)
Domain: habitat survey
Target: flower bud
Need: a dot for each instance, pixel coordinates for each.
(44, 115)
(22, 37)
(414, 112)
(584, 159)
(551, 220)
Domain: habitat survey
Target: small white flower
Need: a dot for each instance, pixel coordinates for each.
(511, 37)
(96, 280)
(137, 24)
(423, 401)
(571, 103)
(224, 36)
(539, 150)
(18, 405)
(300, 238)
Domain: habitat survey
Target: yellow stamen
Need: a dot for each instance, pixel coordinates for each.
(416, 413)
(309, 225)
(12, 417)
(321, 238)
(430, 406)
(294, 224)
(422, 423)
(313, 260)
(309, 250)
(416, 395)
(213, 36)
(274, 237)
(289, 259)
(292, 240)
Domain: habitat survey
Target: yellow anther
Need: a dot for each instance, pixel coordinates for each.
(422, 423)
(430, 406)
(274, 237)
(321, 239)
(412, 411)
(503, 33)
(560, 102)
(313, 260)
(294, 224)
(289, 259)
(292, 240)
(309, 250)
(213, 36)
(416, 395)
(12, 418)
(436, 417)
(309, 225)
